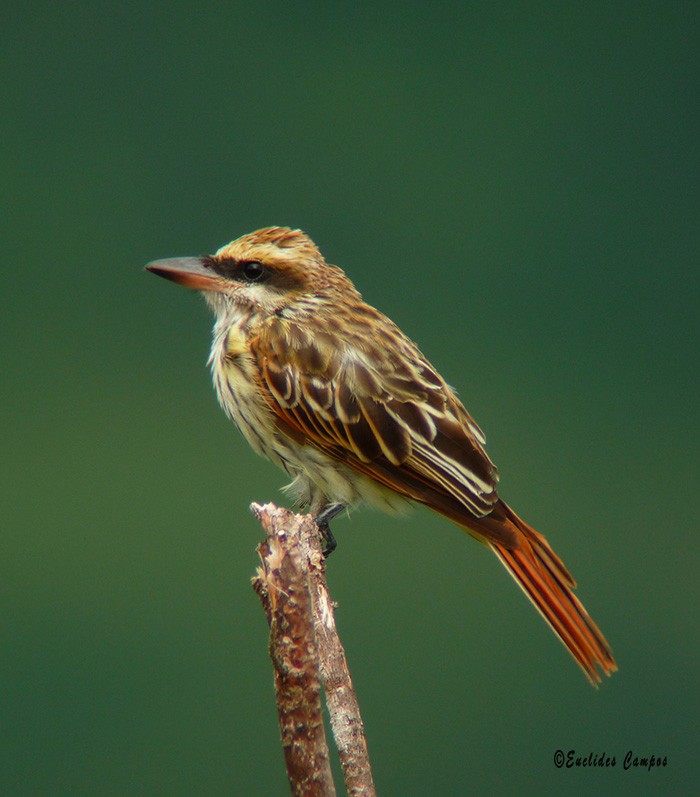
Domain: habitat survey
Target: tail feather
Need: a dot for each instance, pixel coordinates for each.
(548, 584)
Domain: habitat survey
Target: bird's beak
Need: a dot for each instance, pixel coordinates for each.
(192, 272)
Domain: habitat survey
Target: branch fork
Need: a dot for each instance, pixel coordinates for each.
(308, 658)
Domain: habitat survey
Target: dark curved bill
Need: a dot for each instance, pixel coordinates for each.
(192, 272)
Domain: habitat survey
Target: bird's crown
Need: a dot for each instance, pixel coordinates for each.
(272, 244)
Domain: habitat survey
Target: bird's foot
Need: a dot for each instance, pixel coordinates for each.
(323, 519)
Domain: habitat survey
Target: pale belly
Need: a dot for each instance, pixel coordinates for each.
(318, 479)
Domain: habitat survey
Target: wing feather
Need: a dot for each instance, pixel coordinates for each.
(393, 438)
(362, 440)
(415, 419)
(318, 392)
(382, 411)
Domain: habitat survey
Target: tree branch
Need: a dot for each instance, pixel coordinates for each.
(304, 644)
(282, 585)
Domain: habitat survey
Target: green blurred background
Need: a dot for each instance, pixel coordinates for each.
(515, 184)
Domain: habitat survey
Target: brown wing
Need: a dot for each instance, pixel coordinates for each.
(376, 404)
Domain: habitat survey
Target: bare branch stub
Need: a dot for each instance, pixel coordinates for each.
(299, 535)
(282, 583)
(343, 706)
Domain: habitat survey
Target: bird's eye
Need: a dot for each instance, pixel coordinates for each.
(253, 271)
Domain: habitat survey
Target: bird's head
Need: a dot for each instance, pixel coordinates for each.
(269, 269)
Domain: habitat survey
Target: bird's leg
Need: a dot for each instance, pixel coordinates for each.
(323, 517)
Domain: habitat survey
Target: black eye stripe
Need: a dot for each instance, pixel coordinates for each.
(241, 270)
(224, 267)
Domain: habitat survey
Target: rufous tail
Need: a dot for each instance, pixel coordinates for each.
(548, 584)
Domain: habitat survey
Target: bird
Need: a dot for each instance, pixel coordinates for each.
(333, 392)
